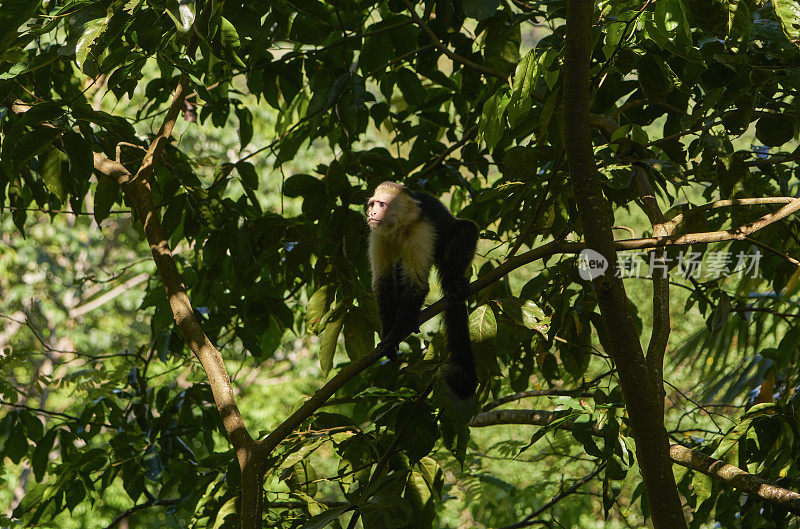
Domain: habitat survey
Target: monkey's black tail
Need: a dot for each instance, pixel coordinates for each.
(460, 373)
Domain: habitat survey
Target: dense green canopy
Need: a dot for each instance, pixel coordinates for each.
(188, 326)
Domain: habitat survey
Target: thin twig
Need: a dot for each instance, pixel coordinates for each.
(136, 508)
(531, 518)
(453, 56)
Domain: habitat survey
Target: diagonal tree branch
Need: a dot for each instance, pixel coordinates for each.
(735, 477)
(721, 471)
(108, 296)
(546, 250)
(140, 507)
(531, 518)
(191, 331)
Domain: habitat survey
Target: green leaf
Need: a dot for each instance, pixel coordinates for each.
(172, 217)
(50, 167)
(480, 9)
(228, 509)
(245, 128)
(105, 195)
(322, 520)
(387, 509)
(410, 86)
(377, 51)
(41, 454)
(74, 494)
(421, 434)
(482, 324)
(610, 493)
(788, 12)
(302, 185)
(582, 430)
(152, 462)
(702, 486)
(418, 494)
(336, 180)
(16, 445)
(81, 162)
(524, 79)
(32, 143)
(228, 35)
(304, 451)
(13, 14)
(182, 13)
(271, 340)
(309, 29)
(525, 313)
(248, 175)
(501, 45)
(653, 79)
(538, 434)
(330, 337)
(667, 25)
(741, 18)
(91, 31)
(773, 130)
(359, 337)
(521, 163)
(132, 480)
(318, 305)
(492, 122)
(732, 437)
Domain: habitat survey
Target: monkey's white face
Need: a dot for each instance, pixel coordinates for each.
(377, 209)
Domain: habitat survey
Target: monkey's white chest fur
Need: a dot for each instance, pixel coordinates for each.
(413, 247)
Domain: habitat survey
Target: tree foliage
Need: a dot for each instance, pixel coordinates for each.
(288, 114)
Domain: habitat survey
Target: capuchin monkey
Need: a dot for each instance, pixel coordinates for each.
(410, 232)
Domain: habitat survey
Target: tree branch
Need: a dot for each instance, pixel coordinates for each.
(138, 190)
(555, 392)
(558, 392)
(735, 477)
(643, 397)
(531, 518)
(136, 508)
(673, 223)
(108, 296)
(659, 337)
(721, 471)
(551, 248)
(444, 154)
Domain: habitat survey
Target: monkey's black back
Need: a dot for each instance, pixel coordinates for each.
(455, 238)
(433, 209)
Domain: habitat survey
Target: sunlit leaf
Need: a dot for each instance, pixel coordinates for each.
(51, 169)
(788, 12)
(91, 32)
(183, 13)
(329, 339)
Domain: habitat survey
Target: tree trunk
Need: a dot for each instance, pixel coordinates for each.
(252, 465)
(644, 396)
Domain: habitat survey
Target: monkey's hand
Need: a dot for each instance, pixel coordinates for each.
(388, 349)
